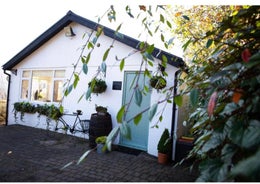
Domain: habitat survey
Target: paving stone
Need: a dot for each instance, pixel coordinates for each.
(35, 155)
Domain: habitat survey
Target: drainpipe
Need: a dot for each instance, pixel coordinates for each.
(7, 98)
(173, 131)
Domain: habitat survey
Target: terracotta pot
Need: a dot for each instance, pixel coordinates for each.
(163, 158)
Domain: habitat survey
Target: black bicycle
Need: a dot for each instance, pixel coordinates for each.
(79, 125)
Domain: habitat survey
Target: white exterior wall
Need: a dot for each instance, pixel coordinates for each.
(61, 52)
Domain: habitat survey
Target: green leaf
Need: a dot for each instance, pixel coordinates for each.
(138, 97)
(120, 114)
(85, 68)
(229, 108)
(76, 80)
(150, 63)
(248, 167)
(106, 54)
(164, 60)
(161, 18)
(84, 156)
(119, 27)
(81, 97)
(137, 119)
(255, 57)
(186, 17)
(119, 35)
(178, 100)
(61, 109)
(209, 43)
(68, 90)
(169, 24)
(161, 118)
(152, 111)
(146, 89)
(253, 61)
(122, 64)
(94, 41)
(251, 135)
(186, 45)
(90, 45)
(162, 37)
(194, 97)
(104, 67)
(215, 140)
(83, 60)
(148, 56)
(125, 130)
(88, 58)
(88, 93)
(67, 165)
(111, 136)
(147, 73)
(150, 33)
(170, 41)
(150, 49)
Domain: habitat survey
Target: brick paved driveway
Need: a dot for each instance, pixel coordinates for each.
(30, 154)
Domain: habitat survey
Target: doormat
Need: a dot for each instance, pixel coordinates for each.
(127, 150)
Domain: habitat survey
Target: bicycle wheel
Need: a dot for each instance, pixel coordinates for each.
(82, 127)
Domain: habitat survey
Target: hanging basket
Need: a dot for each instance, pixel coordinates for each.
(158, 82)
(97, 86)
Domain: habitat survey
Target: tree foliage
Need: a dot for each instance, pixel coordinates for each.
(226, 118)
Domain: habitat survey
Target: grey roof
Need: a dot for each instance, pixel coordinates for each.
(72, 17)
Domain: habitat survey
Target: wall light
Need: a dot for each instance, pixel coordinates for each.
(69, 32)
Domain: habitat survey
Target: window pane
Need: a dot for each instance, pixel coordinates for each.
(41, 85)
(57, 91)
(59, 74)
(25, 87)
(42, 73)
(26, 74)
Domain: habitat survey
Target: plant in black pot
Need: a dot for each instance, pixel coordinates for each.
(101, 110)
(164, 147)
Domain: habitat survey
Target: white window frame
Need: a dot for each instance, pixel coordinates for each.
(31, 80)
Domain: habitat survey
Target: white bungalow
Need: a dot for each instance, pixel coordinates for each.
(49, 60)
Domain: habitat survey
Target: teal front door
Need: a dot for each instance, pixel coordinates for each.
(139, 133)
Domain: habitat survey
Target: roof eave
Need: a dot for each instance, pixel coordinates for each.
(72, 17)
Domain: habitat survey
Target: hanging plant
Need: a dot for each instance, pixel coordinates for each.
(158, 82)
(23, 107)
(97, 85)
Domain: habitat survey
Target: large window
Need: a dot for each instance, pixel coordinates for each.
(42, 85)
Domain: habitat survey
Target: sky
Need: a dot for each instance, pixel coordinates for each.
(24, 20)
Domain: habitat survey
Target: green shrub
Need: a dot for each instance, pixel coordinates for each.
(164, 144)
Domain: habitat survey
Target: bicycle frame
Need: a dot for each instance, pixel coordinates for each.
(78, 125)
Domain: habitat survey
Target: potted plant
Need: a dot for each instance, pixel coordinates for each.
(158, 82)
(101, 141)
(101, 110)
(97, 85)
(164, 147)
